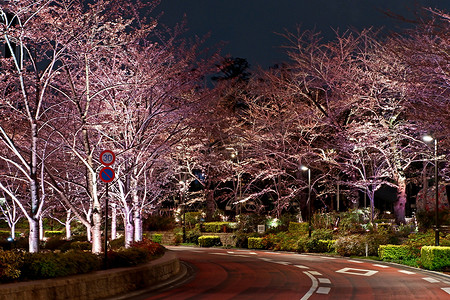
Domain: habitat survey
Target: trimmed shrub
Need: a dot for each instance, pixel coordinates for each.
(435, 257)
(56, 243)
(157, 238)
(216, 227)
(319, 246)
(209, 241)
(192, 236)
(397, 252)
(355, 244)
(255, 243)
(117, 243)
(295, 227)
(54, 233)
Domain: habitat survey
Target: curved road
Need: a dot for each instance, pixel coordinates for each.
(245, 274)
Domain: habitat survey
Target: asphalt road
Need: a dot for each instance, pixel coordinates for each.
(217, 274)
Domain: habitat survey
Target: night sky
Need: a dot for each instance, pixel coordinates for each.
(250, 27)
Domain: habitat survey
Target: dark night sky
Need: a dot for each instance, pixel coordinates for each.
(249, 27)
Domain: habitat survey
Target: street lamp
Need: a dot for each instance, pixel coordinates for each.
(305, 168)
(428, 139)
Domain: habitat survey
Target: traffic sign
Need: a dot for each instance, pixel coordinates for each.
(107, 174)
(107, 157)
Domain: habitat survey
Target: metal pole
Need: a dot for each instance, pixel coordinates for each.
(309, 200)
(184, 216)
(436, 238)
(106, 227)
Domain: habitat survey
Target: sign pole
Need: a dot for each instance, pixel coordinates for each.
(106, 227)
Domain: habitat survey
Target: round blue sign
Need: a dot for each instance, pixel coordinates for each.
(107, 174)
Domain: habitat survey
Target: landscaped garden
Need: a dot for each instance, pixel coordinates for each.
(346, 234)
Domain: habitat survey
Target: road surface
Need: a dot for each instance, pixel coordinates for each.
(217, 274)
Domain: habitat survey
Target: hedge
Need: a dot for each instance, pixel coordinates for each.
(209, 241)
(215, 227)
(255, 243)
(396, 252)
(435, 257)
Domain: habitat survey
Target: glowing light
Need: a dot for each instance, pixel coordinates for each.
(427, 138)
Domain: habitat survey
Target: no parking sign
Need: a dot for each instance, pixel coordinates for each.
(107, 158)
(107, 174)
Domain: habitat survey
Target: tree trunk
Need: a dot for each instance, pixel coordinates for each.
(41, 229)
(137, 217)
(96, 230)
(399, 207)
(33, 238)
(67, 225)
(129, 229)
(210, 205)
(113, 222)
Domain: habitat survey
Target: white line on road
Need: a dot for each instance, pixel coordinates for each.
(302, 267)
(281, 262)
(314, 273)
(430, 280)
(357, 272)
(218, 253)
(447, 290)
(323, 290)
(381, 266)
(406, 272)
(314, 286)
(324, 280)
(355, 261)
(327, 257)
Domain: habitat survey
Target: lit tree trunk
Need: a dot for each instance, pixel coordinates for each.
(129, 228)
(41, 229)
(67, 225)
(137, 218)
(33, 220)
(113, 222)
(399, 206)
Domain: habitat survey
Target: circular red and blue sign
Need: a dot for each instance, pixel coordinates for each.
(107, 157)
(107, 174)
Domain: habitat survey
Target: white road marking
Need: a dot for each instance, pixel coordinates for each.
(357, 272)
(313, 286)
(327, 257)
(302, 267)
(281, 262)
(406, 272)
(218, 253)
(381, 266)
(430, 280)
(231, 252)
(323, 290)
(355, 261)
(266, 259)
(253, 253)
(241, 255)
(324, 280)
(314, 273)
(447, 290)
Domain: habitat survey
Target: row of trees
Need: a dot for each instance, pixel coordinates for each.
(79, 78)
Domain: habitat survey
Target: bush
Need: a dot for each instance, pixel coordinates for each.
(192, 236)
(153, 249)
(10, 264)
(54, 233)
(397, 253)
(284, 241)
(319, 246)
(216, 227)
(117, 243)
(159, 223)
(435, 257)
(322, 234)
(56, 243)
(295, 227)
(127, 257)
(157, 238)
(355, 245)
(209, 241)
(255, 243)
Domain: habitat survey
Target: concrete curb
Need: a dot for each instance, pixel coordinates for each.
(97, 285)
